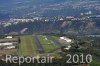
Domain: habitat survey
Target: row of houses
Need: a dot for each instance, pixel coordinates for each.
(8, 43)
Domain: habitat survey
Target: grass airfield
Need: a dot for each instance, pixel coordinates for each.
(28, 45)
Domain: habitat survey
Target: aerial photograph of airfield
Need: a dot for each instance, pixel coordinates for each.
(68, 30)
(30, 45)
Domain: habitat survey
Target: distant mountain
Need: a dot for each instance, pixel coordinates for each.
(33, 1)
(66, 27)
(30, 8)
(49, 8)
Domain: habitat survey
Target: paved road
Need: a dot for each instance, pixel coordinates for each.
(54, 40)
(39, 46)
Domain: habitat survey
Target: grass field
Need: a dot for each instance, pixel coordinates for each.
(27, 46)
(48, 45)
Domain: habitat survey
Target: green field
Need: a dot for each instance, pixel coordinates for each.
(27, 46)
(48, 45)
(96, 61)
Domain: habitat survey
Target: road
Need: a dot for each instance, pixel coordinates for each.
(54, 40)
(39, 46)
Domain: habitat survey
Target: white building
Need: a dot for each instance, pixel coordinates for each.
(10, 47)
(9, 37)
(66, 39)
(6, 44)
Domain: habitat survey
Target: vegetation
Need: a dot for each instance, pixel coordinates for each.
(27, 46)
(47, 44)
